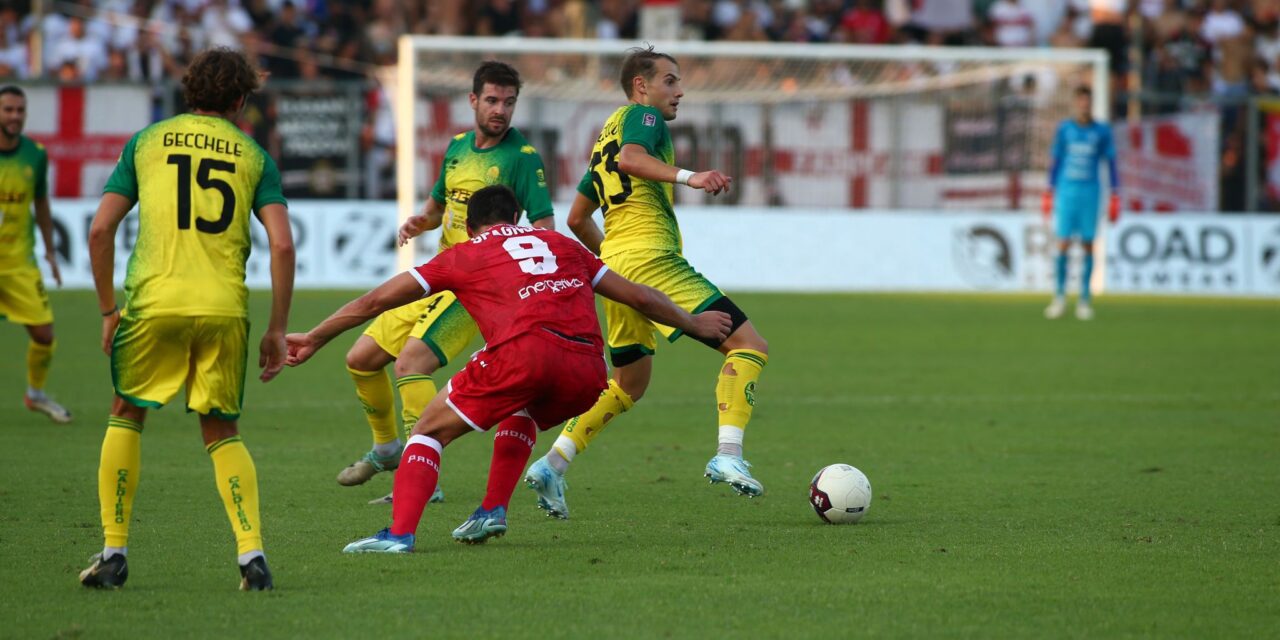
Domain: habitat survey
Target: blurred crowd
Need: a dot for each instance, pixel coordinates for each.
(1170, 47)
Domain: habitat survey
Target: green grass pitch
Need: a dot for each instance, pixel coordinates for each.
(1032, 479)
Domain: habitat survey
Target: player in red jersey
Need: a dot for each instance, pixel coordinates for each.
(531, 294)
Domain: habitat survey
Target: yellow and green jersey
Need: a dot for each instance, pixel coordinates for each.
(512, 162)
(638, 213)
(195, 179)
(23, 180)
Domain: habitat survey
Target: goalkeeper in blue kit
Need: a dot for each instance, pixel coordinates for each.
(1075, 189)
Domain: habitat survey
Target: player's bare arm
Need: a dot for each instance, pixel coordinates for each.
(655, 305)
(432, 217)
(272, 350)
(634, 160)
(548, 223)
(583, 225)
(102, 257)
(44, 220)
(398, 291)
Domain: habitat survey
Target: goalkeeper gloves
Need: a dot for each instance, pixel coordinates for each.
(1113, 209)
(1046, 203)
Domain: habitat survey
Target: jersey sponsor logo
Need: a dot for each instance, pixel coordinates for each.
(650, 120)
(493, 175)
(460, 196)
(12, 197)
(554, 286)
(202, 141)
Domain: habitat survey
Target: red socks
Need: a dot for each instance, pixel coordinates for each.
(512, 445)
(416, 480)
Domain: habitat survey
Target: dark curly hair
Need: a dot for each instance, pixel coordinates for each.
(216, 78)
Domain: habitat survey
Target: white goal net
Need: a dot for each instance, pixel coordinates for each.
(813, 126)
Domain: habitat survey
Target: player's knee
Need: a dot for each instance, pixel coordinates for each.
(633, 388)
(416, 359)
(360, 359)
(41, 334)
(215, 429)
(121, 408)
(1087, 245)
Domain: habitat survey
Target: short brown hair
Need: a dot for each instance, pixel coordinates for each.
(643, 62)
(216, 78)
(498, 74)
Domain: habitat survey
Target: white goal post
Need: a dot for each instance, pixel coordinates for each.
(803, 125)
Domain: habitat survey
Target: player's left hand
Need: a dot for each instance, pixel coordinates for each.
(271, 354)
(53, 268)
(1113, 209)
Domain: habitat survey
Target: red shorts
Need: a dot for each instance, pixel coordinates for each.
(550, 377)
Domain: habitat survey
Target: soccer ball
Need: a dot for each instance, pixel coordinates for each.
(840, 494)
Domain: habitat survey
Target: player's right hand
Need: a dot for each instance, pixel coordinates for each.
(300, 346)
(1046, 203)
(412, 228)
(109, 324)
(712, 325)
(713, 182)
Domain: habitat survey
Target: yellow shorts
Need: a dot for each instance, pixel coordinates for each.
(439, 320)
(152, 358)
(670, 273)
(23, 299)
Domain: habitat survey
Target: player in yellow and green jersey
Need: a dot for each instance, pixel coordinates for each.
(426, 335)
(23, 183)
(631, 178)
(196, 178)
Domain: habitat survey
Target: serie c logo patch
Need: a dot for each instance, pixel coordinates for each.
(649, 120)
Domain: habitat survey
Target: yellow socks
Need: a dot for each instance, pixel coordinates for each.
(238, 485)
(39, 357)
(416, 392)
(373, 388)
(580, 431)
(118, 470)
(736, 395)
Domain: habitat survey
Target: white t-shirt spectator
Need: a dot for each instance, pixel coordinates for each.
(88, 55)
(1221, 25)
(224, 23)
(15, 57)
(943, 15)
(1014, 25)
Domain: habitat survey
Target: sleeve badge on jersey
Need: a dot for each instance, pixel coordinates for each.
(650, 120)
(528, 148)
(542, 178)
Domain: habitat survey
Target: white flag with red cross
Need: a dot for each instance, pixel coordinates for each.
(84, 129)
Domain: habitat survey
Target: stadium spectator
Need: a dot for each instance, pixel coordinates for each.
(939, 22)
(865, 23)
(1013, 23)
(77, 54)
(1221, 23)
